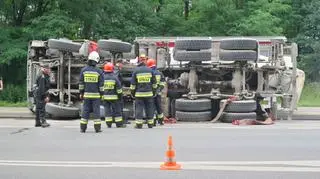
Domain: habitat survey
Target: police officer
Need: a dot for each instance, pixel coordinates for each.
(112, 97)
(91, 90)
(151, 63)
(143, 88)
(41, 95)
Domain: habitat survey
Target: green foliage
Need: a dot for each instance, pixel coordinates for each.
(13, 93)
(308, 40)
(52, 25)
(24, 20)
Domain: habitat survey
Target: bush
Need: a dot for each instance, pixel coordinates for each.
(13, 93)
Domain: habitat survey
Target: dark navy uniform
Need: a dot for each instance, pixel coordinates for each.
(112, 99)
(143, 88)
(40, 94)
(91, 87)
(157, 99)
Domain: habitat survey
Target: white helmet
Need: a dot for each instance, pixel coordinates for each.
(94, 56)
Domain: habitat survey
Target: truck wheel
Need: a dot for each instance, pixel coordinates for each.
(192, 56)
(114, 46)
(105, 54)
(193, 116)
(198, 44)
(239, 55)
(64, 45)
(240, 106)
(229, 117)
(196, 105)
(62, 111)
(239, 44)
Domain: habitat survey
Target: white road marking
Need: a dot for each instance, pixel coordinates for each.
(288, 166)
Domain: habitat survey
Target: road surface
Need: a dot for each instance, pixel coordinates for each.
(288, 149)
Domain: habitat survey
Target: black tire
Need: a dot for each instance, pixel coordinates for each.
(64, 45)
(240, 106)
(193, 44)
(192, 56)
(243, 55)
(130, 55)
(105, 54)
(193, 116)
(114, 46)
(62, 111)
(196, 105)
(239, 44)
(229, 117)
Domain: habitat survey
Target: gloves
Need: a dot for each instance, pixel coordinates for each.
(81, 96)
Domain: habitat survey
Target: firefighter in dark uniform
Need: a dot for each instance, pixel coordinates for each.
(41, 95)
(151, 63)
(91, 90)
(143, 88)
(112, 97)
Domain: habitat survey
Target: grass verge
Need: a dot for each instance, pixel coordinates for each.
(310, 96)
(10, 104)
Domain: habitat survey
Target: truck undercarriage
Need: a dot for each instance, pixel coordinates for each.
(201, 72)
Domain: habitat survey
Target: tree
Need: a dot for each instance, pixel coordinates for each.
(308, 40)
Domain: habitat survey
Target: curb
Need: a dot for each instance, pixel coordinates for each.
(20, 116)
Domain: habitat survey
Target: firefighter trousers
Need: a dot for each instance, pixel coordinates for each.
(158, 108)
(113, 110)
(144, 104)
(91, 105)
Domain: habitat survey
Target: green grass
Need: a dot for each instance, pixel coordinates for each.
(310, 96)
(10, 104)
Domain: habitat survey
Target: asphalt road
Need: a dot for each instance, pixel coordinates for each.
(288, 149)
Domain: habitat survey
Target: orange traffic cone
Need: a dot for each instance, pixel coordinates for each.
(170, 164)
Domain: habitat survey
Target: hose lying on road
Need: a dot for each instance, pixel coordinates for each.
(224, 105)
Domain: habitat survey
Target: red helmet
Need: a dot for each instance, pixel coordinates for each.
(151, 63)
(108, 67)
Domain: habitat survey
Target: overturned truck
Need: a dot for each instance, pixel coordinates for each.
(201, 72)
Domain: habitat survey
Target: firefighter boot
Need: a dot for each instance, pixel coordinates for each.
(97, 127)
(109, 121)
(154, 121)
(44, 123)
(83, 128)
(150, 123)
(160, 121)
(119, 122)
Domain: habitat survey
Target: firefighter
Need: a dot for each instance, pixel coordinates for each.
(112, 97)
(151, 63)
(41, 95)
(143, 87)
(91, 90)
